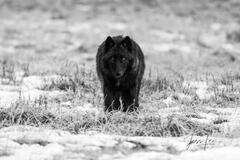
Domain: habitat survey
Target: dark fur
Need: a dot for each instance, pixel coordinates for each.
(120, 76)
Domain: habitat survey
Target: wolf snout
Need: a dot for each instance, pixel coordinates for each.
(118, 74)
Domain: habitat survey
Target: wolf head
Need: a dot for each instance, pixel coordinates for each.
(118, 56)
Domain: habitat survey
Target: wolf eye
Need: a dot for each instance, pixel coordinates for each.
(124, 59)
(112, 59)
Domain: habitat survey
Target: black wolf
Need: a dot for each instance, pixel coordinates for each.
(120, 68)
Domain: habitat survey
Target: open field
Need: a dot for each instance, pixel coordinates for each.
(49, 87)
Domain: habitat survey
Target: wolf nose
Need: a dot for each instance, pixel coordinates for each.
(118, 74)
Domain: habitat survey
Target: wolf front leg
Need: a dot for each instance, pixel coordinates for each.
(130, 101)
(111, 100)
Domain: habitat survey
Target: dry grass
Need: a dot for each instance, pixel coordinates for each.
(131, 124)
(155, 118)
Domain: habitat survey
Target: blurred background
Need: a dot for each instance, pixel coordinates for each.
(183, 37)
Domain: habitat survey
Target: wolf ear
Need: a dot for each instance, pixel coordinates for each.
(109, 43)
(127, 43)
